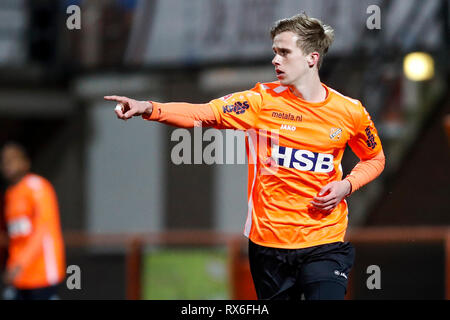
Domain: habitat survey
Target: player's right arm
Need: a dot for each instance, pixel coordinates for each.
(178, 114)
(235, 111)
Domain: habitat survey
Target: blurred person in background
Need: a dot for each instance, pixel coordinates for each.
(297, 215)
(36, 257)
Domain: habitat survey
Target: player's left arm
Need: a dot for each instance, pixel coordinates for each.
(366, 145)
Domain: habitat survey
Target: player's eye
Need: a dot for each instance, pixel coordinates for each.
(282, 52)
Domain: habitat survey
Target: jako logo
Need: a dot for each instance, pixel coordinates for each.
(287, 127)
(304, 160)
(239, 107)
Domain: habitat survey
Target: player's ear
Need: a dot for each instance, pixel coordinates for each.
(312, 59)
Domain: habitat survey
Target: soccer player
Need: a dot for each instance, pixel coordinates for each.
(297, 212)
(36, 261)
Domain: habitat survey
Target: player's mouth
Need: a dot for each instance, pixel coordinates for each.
(280, 74)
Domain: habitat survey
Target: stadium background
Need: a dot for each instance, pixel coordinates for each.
(140, 226)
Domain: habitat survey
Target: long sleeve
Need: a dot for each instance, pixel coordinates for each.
(234, 111)
(183, 115)
(366, 171)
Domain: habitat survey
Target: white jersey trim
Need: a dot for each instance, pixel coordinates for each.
(345, 97)
(248, 222)
(51, 269)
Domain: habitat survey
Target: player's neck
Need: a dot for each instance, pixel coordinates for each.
(309, 89)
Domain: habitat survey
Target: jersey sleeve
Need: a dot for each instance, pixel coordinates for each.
(238, 110)
(18, 213)
(182, 114)
(365, 142)
(366, 171)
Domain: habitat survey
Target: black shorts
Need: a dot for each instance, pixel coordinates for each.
(44, 293)
(289, 273)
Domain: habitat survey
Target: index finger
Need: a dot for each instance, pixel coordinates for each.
(116, 98)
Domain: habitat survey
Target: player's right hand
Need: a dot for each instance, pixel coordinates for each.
(127, 108)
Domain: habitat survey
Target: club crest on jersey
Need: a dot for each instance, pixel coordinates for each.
(335, 134)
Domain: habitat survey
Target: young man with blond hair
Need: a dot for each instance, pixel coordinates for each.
(297, 213)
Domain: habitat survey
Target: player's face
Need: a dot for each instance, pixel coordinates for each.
(290, 62)
(14, 163)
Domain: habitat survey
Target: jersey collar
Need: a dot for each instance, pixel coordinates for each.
(312, 104)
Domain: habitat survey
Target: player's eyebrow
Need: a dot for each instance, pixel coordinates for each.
(275, 48)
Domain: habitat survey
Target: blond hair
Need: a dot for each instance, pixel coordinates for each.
(314, 36)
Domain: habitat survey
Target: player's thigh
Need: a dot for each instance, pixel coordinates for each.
(324, 290)
(331, 262)
(273, 277)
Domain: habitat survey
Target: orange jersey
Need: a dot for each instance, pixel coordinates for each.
(35, 238)
(294, 149)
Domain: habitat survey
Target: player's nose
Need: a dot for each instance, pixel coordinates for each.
(275, 61)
